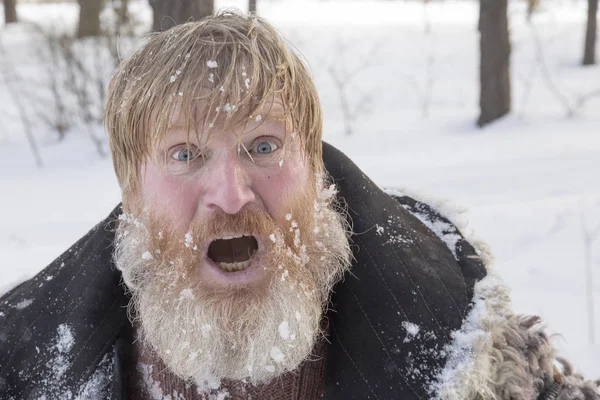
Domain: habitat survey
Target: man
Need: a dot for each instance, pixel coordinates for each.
(256, 262)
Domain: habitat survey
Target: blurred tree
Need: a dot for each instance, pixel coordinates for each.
(589, 53)
(532, 6)
(10, 11)
(494, 69)
(89, 18)
(168, 13)
(122, 12)
(252, 6)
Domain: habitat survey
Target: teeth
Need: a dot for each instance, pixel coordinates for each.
(234, 266)
(232, 237)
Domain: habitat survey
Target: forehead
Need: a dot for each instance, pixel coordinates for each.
(182, 116)
(227, 117)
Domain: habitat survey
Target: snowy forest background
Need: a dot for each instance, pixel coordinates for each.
(399, 82)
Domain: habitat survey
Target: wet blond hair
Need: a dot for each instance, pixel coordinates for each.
(215, 73)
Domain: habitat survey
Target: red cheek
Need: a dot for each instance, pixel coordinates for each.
(172, 196)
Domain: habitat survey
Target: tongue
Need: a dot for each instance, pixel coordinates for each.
(232, 250)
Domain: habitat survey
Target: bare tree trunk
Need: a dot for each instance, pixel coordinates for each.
(494, 70)
(589, 53)
(168, 13)
(10, 11)
(252, 6)
(89, 18)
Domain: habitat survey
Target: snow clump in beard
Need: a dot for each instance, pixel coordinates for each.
(257, 332)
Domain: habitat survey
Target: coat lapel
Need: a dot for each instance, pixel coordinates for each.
(393, 315)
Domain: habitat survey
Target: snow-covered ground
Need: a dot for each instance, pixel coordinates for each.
(530, 182)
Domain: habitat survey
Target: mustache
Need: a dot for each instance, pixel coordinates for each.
(248, 221)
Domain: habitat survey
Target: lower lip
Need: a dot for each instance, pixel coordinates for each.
(252, 273)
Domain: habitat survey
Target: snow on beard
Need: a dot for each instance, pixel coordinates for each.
(212, 332)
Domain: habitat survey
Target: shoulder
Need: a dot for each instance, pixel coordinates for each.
(497, 354)
(56, 328)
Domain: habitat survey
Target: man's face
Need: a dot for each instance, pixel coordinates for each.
(231, 253)
(257, 169)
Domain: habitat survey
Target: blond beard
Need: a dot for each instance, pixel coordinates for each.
(206, 334)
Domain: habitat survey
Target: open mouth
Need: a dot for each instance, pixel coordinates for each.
(233, 253)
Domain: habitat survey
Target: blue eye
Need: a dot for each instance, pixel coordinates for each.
(184, 155)
(265, 147)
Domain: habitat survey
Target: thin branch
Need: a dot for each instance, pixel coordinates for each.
(10, 78)
(528, 86)
(540, 58)
(343, 79)
(588, 239)
(581, 100)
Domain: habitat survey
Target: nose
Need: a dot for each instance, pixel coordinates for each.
(229, 186)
